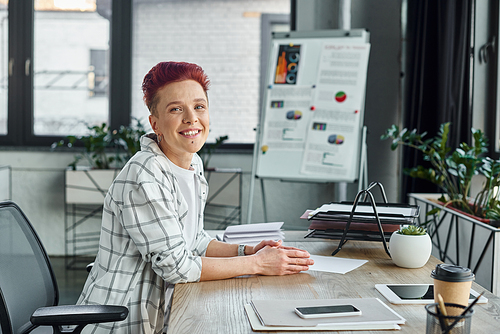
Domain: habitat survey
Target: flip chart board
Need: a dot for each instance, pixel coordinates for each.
(312, 114)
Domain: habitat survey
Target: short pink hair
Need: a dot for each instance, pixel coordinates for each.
(167, 72)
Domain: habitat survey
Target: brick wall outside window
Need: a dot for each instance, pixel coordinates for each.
(222, 36)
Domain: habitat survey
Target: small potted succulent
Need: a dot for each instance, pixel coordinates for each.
(410, 246)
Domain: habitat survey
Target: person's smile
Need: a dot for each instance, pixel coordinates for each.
(190, 133)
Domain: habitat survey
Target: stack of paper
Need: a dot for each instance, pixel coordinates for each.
(388, 212)
(252, 234)
(330, 220)
(279, 315)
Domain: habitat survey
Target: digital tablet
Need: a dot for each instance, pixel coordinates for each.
(415, 293)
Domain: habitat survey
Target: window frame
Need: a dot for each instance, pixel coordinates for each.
(20, 119)
(20, 115)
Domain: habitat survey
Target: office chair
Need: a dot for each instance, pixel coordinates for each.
(28, 288)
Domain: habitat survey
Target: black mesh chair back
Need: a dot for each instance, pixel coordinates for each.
(27, 281)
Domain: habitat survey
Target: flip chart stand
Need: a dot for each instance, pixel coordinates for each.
(365, 218)
(284, 160)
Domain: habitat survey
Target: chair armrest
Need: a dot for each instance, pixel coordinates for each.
(78, 315)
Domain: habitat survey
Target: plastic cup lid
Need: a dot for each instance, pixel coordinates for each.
(452, 273)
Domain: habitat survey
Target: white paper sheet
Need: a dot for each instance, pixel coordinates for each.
(334, 264)
(333, 135)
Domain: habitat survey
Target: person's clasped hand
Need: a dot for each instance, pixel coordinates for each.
(276, 259)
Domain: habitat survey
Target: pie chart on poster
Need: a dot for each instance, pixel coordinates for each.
(336, 139)
(294, 114)
(340, 97)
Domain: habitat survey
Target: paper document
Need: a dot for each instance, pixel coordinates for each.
(334, 264)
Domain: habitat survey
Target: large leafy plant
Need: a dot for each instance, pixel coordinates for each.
(452, 170)
(104, 148)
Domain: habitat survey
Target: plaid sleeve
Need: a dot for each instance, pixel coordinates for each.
(150, 213)
(202, 241)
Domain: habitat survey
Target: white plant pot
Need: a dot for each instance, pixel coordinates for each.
(88, 186)
(410, 251)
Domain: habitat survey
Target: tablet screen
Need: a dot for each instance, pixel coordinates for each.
(409, 292)
(415, 293)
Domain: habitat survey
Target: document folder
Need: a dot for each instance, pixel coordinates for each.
(280, 315)
(360, 220)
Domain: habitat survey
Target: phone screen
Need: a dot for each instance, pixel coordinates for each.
(415, 291)
(327, 309)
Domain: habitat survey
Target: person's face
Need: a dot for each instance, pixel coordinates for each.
(182, 120)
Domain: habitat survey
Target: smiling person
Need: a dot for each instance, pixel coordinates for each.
(152, 234)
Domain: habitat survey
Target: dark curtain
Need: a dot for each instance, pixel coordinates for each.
(437, 76)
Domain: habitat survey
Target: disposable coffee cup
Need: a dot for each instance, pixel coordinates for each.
(453, 283)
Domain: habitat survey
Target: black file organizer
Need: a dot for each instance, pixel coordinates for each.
(346, 234)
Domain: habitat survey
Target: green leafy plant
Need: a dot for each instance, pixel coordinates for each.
(104, 148)
(412, 230)
(452, 170)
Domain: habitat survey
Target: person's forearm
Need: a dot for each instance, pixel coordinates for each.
(221, 249)
(269, 260)
(222, 268)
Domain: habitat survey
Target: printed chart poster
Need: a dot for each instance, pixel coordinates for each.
(287, 118)
(287, 65)
(333, 135)
(330, 146)
(342, 76)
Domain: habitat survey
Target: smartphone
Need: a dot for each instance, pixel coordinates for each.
(307, 312)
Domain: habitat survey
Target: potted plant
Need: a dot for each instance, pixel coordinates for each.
(410, 246)
(462, 225)
(104, 148)
(452, 170)
(98, 160)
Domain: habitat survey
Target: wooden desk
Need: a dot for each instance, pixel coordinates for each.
(217, 307)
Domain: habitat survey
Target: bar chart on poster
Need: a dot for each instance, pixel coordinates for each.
(311, 121)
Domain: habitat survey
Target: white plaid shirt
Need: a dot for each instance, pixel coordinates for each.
(142, 248)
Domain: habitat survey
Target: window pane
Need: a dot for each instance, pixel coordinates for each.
(70, 67)
(4, 54)
(223, 37)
